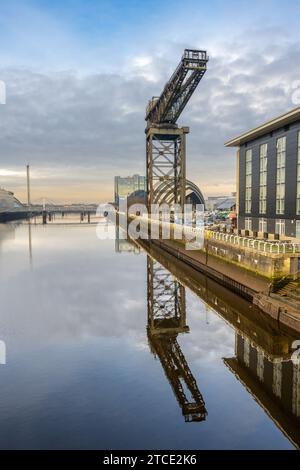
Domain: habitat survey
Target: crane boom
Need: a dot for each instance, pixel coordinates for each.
(167, 108)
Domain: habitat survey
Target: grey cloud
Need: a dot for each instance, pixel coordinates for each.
(98, 120)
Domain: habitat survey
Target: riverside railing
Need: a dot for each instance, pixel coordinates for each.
(263, 246)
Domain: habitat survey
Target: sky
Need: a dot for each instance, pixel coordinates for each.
(79, 74)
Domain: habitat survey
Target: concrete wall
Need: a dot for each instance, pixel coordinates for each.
(267, 265)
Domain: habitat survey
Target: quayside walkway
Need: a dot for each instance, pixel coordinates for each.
(253, 287)
(238, 279)
(254, 282)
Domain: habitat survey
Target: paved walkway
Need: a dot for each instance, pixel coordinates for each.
(241, 275)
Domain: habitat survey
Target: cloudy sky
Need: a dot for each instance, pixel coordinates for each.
(79, 73)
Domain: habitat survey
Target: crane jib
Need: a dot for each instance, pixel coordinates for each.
(178, 90)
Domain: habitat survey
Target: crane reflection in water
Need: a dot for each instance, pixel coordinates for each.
(166, 315)
(263, 360)
(166, 320)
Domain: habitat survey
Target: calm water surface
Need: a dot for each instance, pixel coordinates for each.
(81, 372)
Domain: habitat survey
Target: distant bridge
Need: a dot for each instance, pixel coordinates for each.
(64, 208)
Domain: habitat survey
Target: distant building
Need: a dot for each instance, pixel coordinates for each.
(125, 186)
(193, 196)
(134, 188)
(212, 202)
(268, 176)
(228, 204)
(10, 207)
(137, 197)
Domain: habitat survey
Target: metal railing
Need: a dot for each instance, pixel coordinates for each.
(263, 246)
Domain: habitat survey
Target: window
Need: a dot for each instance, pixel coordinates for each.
(248, 223)
(263, 158)
(248, 195)
(263, 225)
(298, 177)
(280, 227)
(280, 176)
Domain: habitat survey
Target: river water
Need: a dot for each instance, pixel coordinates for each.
(80, 369)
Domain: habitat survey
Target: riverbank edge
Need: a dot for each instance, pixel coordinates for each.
(271, 307)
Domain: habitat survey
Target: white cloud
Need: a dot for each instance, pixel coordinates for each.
(142, 61)
(8, 173)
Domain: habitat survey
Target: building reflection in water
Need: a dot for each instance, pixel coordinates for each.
(123, 245)
(8, 233)
(262, 361)
(273, 381)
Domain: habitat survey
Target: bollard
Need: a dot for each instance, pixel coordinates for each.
(44, 216)
(89, 217)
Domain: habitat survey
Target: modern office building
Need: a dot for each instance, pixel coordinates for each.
(125, 186)
(268, 176)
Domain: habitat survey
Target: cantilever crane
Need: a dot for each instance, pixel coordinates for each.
(165, 142)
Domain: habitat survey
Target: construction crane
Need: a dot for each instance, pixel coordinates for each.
(165, 142)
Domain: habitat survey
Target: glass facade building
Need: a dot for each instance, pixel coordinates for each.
(125, 186)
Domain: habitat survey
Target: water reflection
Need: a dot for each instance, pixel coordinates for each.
(30, 244)
(166, 307)
(263, 352)
(7, 233)
(122, 245)
(273, 380)
(78, 328)
(166, 319)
